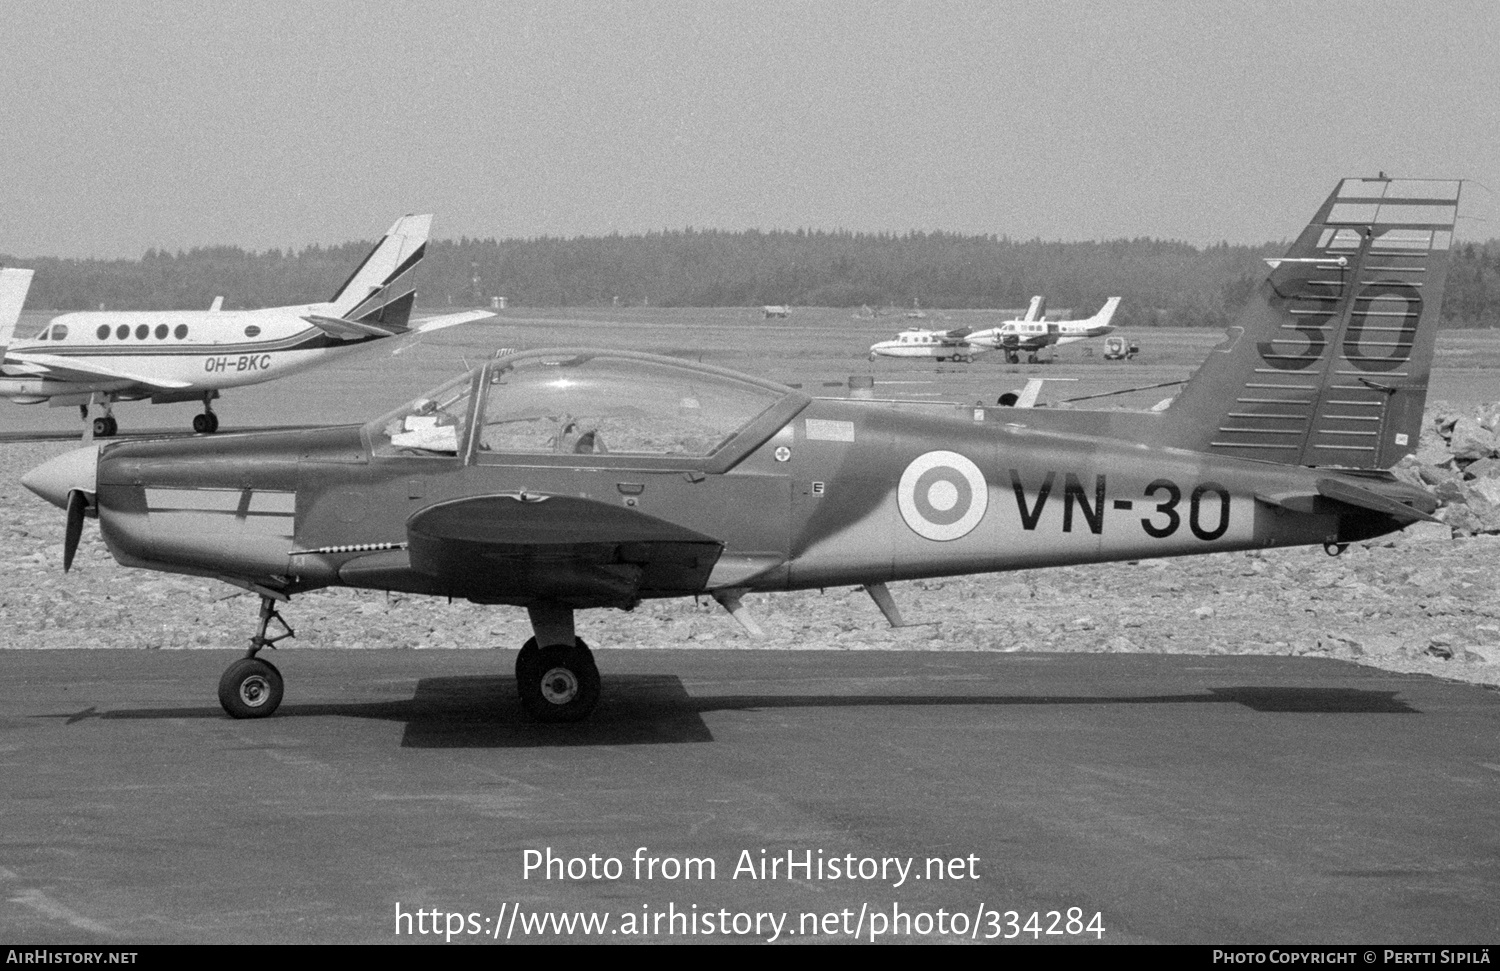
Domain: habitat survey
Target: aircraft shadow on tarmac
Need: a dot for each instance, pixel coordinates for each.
(484, 711)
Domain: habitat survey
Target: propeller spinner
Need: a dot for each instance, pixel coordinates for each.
(70, 482)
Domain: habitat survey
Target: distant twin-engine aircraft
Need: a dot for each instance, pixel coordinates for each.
(1028, 334)
(1034, 332)
(566, 480)
(98, 358)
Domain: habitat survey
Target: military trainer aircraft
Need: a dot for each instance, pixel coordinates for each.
(564, 480)
(98, 358)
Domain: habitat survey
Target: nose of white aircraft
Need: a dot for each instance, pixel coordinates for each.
(78, 469)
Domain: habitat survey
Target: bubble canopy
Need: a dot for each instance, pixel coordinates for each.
(589, 408)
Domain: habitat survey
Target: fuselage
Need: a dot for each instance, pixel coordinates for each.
(1018, 335)
(148, 351)
(928, 344)
(842, 492)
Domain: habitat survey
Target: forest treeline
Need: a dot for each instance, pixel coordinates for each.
(1163, 283)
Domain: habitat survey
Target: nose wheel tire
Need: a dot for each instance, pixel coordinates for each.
(557, 683)
(105, 427)
(250, 688)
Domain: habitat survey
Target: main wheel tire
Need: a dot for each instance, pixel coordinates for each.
(250, 688)
(200, 424)
(557, 683)
(526, 662)
(213, 423)
(102, 427)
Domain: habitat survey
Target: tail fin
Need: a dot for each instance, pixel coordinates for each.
(1328, 363)
(13, 286)
(1037, 309)
(1100, 322)
(381, 290)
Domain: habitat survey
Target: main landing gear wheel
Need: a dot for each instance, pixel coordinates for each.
(250, 688)
(557, 683)
(206, 423)
(105, 427)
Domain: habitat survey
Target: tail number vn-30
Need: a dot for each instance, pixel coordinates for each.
(1207, 512)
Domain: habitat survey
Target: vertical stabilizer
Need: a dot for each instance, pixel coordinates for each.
(1101, 322)
(382, 289)
(1036, 310)
(1328, 363)
(13, 286)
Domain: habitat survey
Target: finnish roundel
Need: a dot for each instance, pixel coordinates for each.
(942, 496)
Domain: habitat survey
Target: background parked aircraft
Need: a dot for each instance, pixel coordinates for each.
(1034, 332)
(942, 345)
(98, 358)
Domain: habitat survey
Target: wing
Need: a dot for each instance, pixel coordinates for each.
(450, 320)
(522, 548)
(68, 369)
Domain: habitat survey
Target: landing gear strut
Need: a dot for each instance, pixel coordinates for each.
(250, 687)
(558, 682)
(105, 425)
(208, 422)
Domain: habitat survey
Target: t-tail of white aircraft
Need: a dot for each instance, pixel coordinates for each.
(381, 291)
(14, 284)
(1100, 322)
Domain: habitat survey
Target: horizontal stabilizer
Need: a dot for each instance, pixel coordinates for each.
(1353, 495)
(346, 330)
(1331, 493)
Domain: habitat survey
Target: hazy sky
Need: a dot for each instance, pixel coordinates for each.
(131, 125)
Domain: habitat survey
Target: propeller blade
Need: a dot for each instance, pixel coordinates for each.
(77, 503)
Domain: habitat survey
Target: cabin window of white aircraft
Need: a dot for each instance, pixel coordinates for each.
(123, 331)
(252, 331)
(180, 332)
(103, 332)
(142, 332)
(161, 331)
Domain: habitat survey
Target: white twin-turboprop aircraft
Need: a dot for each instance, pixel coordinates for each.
(1034, 332)
(1028, 334)
(98, 358)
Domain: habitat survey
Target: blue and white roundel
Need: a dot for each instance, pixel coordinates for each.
(942, 496)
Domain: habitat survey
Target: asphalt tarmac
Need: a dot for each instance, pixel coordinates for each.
(401, 793)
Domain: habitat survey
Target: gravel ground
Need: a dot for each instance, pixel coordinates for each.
(1397, 604)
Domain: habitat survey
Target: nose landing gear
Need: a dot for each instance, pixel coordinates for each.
(251, 687)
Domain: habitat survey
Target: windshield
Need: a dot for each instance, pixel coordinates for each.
(433, 424)
(598, 405)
